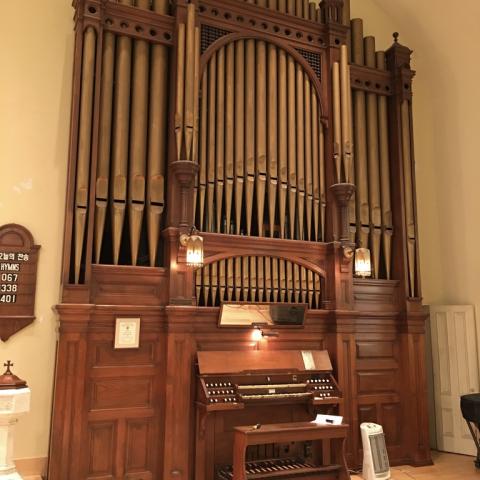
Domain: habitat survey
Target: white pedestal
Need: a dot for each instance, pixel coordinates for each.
(13, 404)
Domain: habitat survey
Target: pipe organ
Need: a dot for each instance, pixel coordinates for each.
(282, 133)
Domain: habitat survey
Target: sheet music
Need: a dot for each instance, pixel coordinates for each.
(308, 360)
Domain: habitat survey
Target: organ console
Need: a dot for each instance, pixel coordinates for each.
(256, 388)
(285, 136)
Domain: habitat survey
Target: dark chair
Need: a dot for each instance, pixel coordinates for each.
(470, 405)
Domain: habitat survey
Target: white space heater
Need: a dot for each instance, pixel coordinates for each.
(375, 456)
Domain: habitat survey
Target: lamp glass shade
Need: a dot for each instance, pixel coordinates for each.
(194, 245)
(363, 263)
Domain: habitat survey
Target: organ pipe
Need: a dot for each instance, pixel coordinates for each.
(239, 132)
(409, 206)
(138, 140)
(360, 142)
(157, 140)
(84, 145)
(104, 148)
(387, 221)
(120, 149)
(229, 135)
(373, 162)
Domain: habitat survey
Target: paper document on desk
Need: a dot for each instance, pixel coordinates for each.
(328, 420)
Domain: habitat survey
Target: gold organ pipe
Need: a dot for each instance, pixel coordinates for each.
(311, 289)
(253, 278)
(157, 139)
(318, 289)
(229, 134)
(409, 206)
(120, 140)
(268, 278)
(222, 279)
(283, 285)
(308, 154)
(315, 166)
(282, 139)
(239, 131)
(275, 280)
(238, 278)
(305, 9)
(220, 138)
(373, 162)
(84, 144)
(272, 135)
(289, 286)
(260, 279)
(261, 3)
(180, 88)
(387, 220)
(245, 278)
(291, 7)
(261, 133)
(346, 113)
(323, 186)
(103, 163)
(250, 128)
(360, 142)
(300, 152)
(214, 282)
(304, 284)
(198, 284)
(189, 82)
(297, 283)
(337, 129)
(206, 284)
(196, 119)
(212, 79)
(230, 278)
(299, 8)
(160, 6)
(138, 140)
(312, 11)
(203, 151)
(272, 4)
(282, 6)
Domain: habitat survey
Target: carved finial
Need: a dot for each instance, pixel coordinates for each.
(8, 365)
(395, 36)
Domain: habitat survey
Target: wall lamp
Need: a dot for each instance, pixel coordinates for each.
(363, 263)
(193, 242)
(259, 333)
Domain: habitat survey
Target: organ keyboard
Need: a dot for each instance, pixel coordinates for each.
(229, 382)
(259, 388)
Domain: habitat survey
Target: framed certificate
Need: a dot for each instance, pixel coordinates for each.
(127, 333)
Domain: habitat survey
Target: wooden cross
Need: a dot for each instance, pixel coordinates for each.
(8, 365)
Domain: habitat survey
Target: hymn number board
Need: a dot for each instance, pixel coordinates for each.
(18, 278)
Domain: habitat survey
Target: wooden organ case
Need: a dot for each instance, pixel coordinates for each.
(278, 130)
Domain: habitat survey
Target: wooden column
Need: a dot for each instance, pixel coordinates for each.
(69, 415)
(415, 441)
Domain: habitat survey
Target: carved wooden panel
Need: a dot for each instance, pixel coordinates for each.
(101, 448)
(121, 393)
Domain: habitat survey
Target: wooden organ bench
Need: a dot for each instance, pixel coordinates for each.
(279, 392)
(327, 455)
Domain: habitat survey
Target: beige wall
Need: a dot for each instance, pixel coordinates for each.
(36, 57)
(36, 45)
(447, 119)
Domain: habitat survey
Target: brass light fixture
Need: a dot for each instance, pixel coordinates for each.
(363, 263)
(193, 242)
